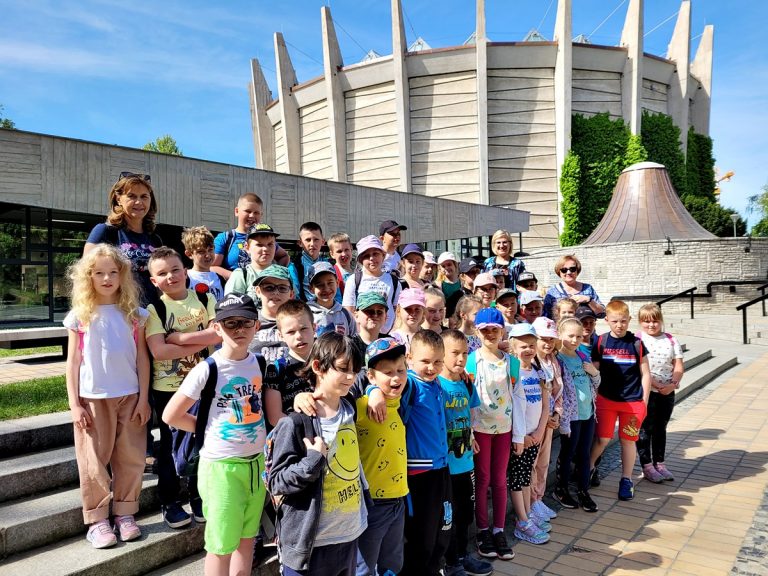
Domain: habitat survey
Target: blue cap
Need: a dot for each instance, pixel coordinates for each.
(411, 249)
(528, 296)
(522, 329)
(489, 317)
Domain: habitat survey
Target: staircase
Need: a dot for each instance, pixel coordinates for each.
(723, 326)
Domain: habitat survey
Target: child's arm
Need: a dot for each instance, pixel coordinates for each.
(281, 256)
(81, 416)
(273, 404)
(645, 374)
(296, 282)
(294, 465)
(176, 415)
(207, 337)
(142, 411)
(236, 282)
(677, 372)
(538, 434)
(518, 417)
(161, 350)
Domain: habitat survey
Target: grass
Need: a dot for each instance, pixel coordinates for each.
(33, 397)
(28, 351)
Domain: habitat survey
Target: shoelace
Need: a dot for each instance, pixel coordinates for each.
(102, 528)
(126, 522)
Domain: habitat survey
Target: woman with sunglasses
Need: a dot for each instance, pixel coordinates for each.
(130, 226)
(501, 245)
(568, 269)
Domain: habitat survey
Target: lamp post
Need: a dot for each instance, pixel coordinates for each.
(735, 218)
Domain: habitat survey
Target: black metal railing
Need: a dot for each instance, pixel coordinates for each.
(762, 289)
(743, 309)
(689, 292)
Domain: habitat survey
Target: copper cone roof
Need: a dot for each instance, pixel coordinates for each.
(645, 206)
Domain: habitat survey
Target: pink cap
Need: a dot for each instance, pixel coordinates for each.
(369, 243)
(484, 279)
(412, 297)
(545, 328)
(429, 258)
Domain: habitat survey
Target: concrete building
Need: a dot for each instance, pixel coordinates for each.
(485, 122)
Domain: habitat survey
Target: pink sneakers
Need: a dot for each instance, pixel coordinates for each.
(664, 471)
(100, 534)
(651, 474)
(127, 528)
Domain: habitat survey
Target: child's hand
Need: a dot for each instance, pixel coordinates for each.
(377, 406)
(517, 448)
(142, 411)
(81, 417)
(475, 447)
(304, 402)
(554, 421)
(590, 369)
(317, 445)
(536, 437)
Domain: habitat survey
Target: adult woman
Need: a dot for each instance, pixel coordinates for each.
(130, 226)
(501, 245)
(568, 269)
(411, 263)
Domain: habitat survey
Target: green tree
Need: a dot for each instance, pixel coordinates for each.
(6, 123)
(571, 206)
(164, 144)
(661, 139)
(636, 152)
(713, 217)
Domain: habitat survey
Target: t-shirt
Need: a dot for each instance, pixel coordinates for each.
(391, 262)
(422, 409)
(343, 516)
(382, 450)
(494, 388)
(241, 281)
(449, 288)
(582, 383)
(282, 376)
(108, 368)
(620, 376)
(530, 379)
(187, 315)
(267, 341)
(236, 426)
(460, 397)
(663, 350)
(380, 284)
(208, 281)
(333, 319)
(237, 256)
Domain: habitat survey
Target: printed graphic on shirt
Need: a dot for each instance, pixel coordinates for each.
(341, 487)
(620, 356)
(530, 381)
(138, 254)
(459, 428)
(242, 398)
(243, 259)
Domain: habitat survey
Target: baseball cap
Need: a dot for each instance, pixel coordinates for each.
(506, 292)
(236, 305)
(545, 327)
(429, 258)
(584, 311)
(411, 249)
(489, 317)
(524, 276)
(390, 226)
(273, 271)
(368, 299)
(321, 267)
(445, 256)
(369, 243)
(484, 279)
(383, 349)
(529, 296)
(522, 329)
(467, 264)
(261, 229)
(412, 297)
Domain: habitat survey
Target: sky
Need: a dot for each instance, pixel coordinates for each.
(125, 73)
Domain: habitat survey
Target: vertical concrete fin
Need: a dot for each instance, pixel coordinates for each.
(481, 53)
(563, 35)
(263, 135)
(679, 51)
(332, 64)
(701, 69)
(402, 96)
(632, 79)
(289, 110)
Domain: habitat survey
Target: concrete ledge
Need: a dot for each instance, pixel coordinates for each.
(30, 474)
(27, 435)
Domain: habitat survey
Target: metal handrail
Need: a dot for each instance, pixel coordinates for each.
(762, 289)
(679, 295)
(743, 309)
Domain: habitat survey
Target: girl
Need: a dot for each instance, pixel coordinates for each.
(448, 275)
(464, 318)
(428, 275)
(107, 387)
(485, 288)
(411, 263)
(666, 362)
(577, 423)
(494, 373)
(434, 313)
(565, 308)
(409, 314)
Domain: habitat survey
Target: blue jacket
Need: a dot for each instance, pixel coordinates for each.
(422, 409)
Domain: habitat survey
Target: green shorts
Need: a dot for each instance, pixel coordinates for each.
(233, 497)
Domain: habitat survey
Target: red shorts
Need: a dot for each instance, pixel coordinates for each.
(629, 414)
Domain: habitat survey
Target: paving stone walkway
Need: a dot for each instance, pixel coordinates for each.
(18, 368)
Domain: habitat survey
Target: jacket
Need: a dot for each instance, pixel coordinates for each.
(570, 402)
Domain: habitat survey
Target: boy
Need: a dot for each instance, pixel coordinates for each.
(382, 451)
(370, 315)
(506, 302)
(328, 314)
(371, 278)
(261, 243)
(273, 288)
(283, 380)
(389, 234)
(468, 270)
(527, 281)
(588, 320)
(311, 241)
(178, 335)
(340, 247)
(232, 453)
(531, 305)
(198, 247)
(623, 394)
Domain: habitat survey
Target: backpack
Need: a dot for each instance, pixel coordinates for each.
(395, 282)
(308, 433)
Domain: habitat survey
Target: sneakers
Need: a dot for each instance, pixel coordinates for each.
(529, 532)
(457, 570)
(543, 510)
(651, 474)
(100, 535)
(175, 516)
(563, 496)
(485, 546)
(127, 528)
(586, 502)
(594, 478)
(626, 489)
(664, 471)
(196, 504)
(503, 551)
(542, 523)
(476, 567)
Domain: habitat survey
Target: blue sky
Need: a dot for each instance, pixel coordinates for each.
(126, 72)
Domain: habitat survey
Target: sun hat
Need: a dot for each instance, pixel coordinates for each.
(545, 327)
(369, 243)
(489, 317)
(446, 256)
(412, 297)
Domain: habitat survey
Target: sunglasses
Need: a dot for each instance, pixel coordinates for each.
(374, 313)
(272, 288)
(144, 177)
(234, 324)
(571, 269)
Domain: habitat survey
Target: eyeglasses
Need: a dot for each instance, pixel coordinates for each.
(144, 177)
(272, 288)
(571, 269)
(374, 313)
(236, 324)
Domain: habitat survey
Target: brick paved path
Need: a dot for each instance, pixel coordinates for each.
(21, 368)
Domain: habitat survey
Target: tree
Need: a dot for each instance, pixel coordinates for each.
(164, 144)
(713, 217)
(6, 123)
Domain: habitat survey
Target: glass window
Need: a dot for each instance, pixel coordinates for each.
(38, 229)
(24, 292)
(13, 232)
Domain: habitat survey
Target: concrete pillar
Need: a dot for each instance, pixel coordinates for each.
(679, 51)
(332, 64)
(563, 96)
(289, 110)
(263, 134)
(481, 51)
(632, 78)
(402, 94)
(701, 69)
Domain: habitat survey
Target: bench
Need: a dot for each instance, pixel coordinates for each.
(17, 338)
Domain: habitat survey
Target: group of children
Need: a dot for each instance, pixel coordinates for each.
(345, 405)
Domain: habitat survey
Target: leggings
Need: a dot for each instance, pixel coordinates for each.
(576, 449)
(491, 470)
(521, 467)
(653, 433)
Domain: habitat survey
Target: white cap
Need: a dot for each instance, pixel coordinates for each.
(445, 256)
(429, 258)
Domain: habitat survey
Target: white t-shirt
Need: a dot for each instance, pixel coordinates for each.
(108, 367)
(494, 415)
(235, 427)
(209, 279)
(662, 352)
(391, 262)
(380, 284)
(531, 380)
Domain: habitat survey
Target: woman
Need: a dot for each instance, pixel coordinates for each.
(130, 226)
(568, 269)
(411, 263)
(501, 245)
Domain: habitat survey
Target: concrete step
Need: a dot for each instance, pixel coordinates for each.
(35, 433)
(195, 566)
(692, 359)
(703, 373)
(158, 546)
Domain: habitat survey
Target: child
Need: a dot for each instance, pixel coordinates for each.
(506, 303)
(428, 273)
(273, 288)
(315, 470)
(370, 316)
(500, 276)
(311, 241)
(665, 357)
(329, 316)
(284, 378)
(526, 440)
(107, 388)
(577, 425)
(260, 243)
(468, 271)
(389, 234)
(410, 315)
(179, 336)
(198, 246)
(485, 288)
(340, 247)
(460, 401)
(382, 451)
(495, 375)
(464, 320)
(531, 305)
(448, 277)
(434, 312)
(411, 263)
(563, 308)
(625, 386)
(588, 320)
(527, 281)
(232, 453)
